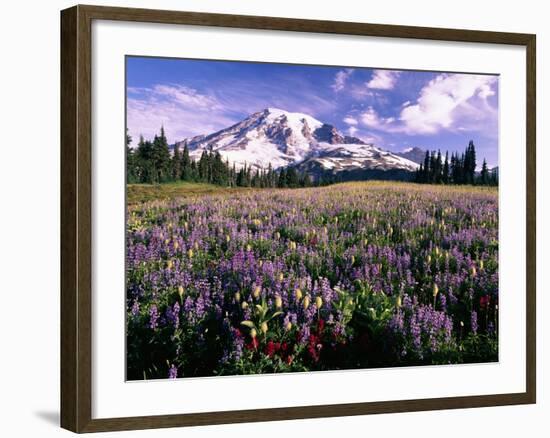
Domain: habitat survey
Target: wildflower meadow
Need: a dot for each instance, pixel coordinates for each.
(347, 276)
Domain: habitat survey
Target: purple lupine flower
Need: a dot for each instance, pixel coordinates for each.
(219, 228)
(173, 372)
(173, 315)
(153, 317)
(135, 308)
(473, 322)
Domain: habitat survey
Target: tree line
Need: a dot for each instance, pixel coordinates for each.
(459, 169)
(152, 163)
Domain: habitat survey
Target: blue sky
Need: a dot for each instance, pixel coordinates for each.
(394, 109)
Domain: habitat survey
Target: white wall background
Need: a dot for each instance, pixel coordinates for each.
(29, 215)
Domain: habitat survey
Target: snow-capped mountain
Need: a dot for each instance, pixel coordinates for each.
(283, 139)
(415, 154)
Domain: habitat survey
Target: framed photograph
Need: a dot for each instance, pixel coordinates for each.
(269, 219)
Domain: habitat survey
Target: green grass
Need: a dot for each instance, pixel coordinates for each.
(137, 193)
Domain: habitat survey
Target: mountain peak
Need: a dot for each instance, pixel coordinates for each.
(413, 153)
(281, 138)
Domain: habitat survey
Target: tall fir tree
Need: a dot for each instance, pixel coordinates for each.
(186, 164)
(282, 179)
(176, 163)
(484, 176)
(161, 158)
(446, 169)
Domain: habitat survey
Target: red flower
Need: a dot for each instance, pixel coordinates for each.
(271, 348)
(484, 301)
(320, 325)
(314, 347)
(253, 344)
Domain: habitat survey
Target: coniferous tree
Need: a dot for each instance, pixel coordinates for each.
(186, 164)
(193, 171)
(419, 174)
(203, 166)
(484, 177)
(438, 168)
(462, 162)
(446, 169)
(282, 179)
(131, 161)
(144, 157)
(426, 177)
(469, 163)
(161, 158)
(176, 163)
(292, 180)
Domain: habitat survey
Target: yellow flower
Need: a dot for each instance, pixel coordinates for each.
(473, 271)
(306, 302)
(253, 333)
(281, 276)
(278, 302)
(227, 238)
(180, 291)
(244, 305)
(398, 302)
(248, 248)
(435, 290)
(288, 326)
(176, 245)
(318, 302)
(170, 264)
(298, 294)
(190, 253)
(237, 296)
(256, 292)
(264, 327)
(481, 265)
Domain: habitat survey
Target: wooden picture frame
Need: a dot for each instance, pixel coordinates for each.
(76, 217)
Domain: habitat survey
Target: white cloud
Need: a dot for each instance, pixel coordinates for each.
(372, 119)
(341, 78)
(181, 110)
(446, 99)
(383, 79)
(186, 96)
(349, 120)
(352, 130)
